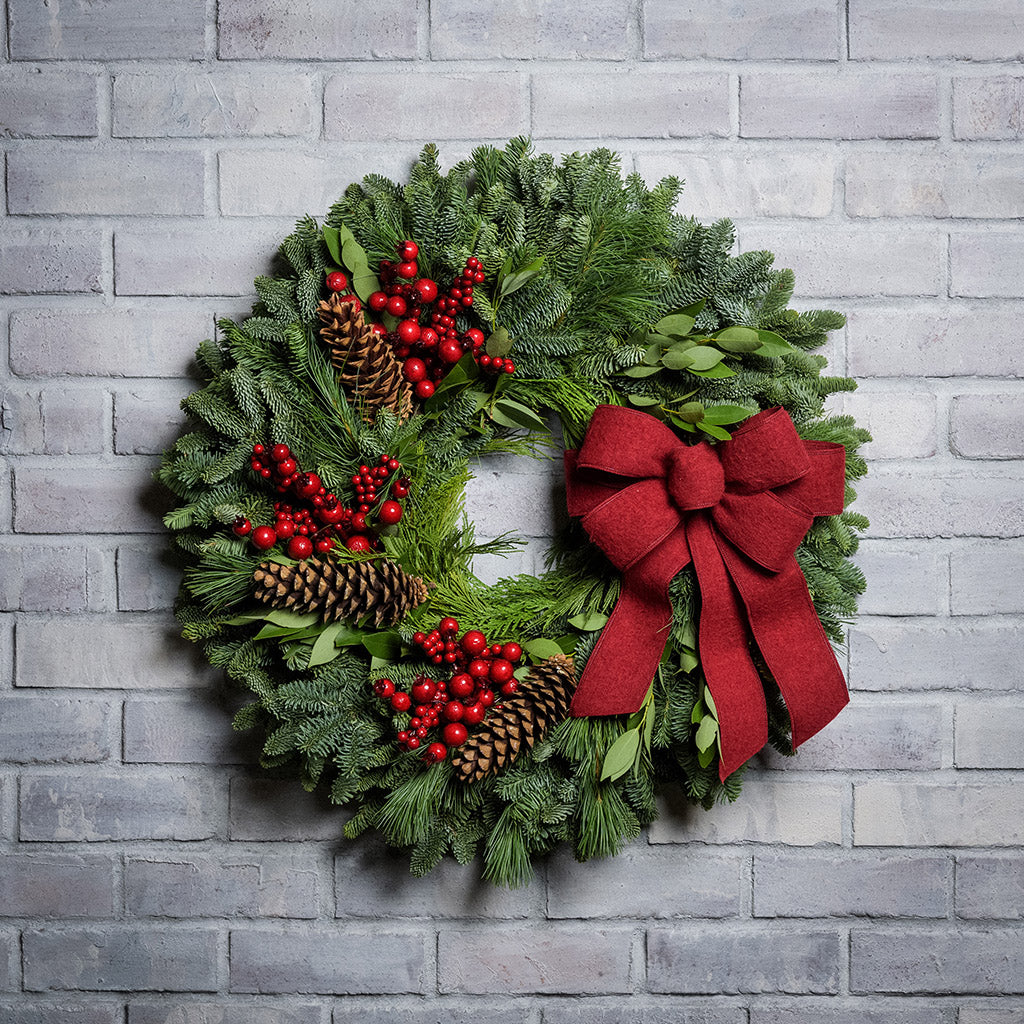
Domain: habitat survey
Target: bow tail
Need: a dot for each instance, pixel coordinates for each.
(792, 642)
(731, 676)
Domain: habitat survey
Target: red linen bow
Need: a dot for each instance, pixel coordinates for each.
(738, 511)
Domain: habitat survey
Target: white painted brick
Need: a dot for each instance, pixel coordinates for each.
(989, 736)
(56, 885)
(636, 1009)
(986, 578)
(990, 887)
(202, 260)
(173, 732)
(267, 810)
(960, 339)
(791, 813)
(988, 426)
(989, 961)
(414, 105)
(69, 181)
(988, 1015)
(750, 183)
(873, 1009)
(902, 424)
(747, 30)
(104, 806)
(522, 29)
(146, 581)
(9, 967)
(44, 261)
(854, 262)
(54, 421)
(850, 885)
(66, 1012)
(225, 885)
(139, 653)
(937, 814)
(37, 730)
(903, 579)
(678, 883)
(902, 503)
(224, 1011)
(868, 738)
(982, 30)
(334, 961)
(887, 654)
(986, 265)
(188, 104)
(116, 29)
(47, 102)
(730, 959)
(546, 958)
(988, 108)
(831, 106)
(42, 576)
(148, 420)
(111, 343)
(934, 184)
(126, 958)
(317, 29)
(630, 104)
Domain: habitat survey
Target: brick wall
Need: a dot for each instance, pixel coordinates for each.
(154, 154)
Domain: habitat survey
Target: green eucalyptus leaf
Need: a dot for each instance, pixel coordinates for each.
(720, 370)
(353, 255)
(677, 325)
(499, 343)
(681, 423)
(641, 401)
(722, 414)
(589, 622)
(719, 433)
(688, 659)
(710, 700)
(653, 355)
(737, 339)
(365, 284)
(284, 617)
(386, 645)
(706, 732)
(695, 308)
(705, 757)
(661, 340)
(621, 755)
(541, 649)
(510, 413)
(691, 412)
(332, 238)
(679, 357)
(324, 648)
(641, 371)
(704, 357)
(772, 344)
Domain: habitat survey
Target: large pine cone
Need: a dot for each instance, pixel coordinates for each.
(525, 718)
(366, 362)
(382, 593)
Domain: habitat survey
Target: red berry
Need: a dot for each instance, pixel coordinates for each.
(263, 538)
(479, 668)
(487, 698)
(475, 336)
(474, 642)
(435, 752)
(461, 685)
(300, 547)
(449, 351)
(280, 452)
(287, 466)
(285, 529)
(408, 249)
(384, 688)
(396, 306)
(453, 711)
(455, 734)
(390, 513)
(424, 389)
(323, 545)
(426, 290)
(423, 691)
(497, 364)
(408, 270)
(510, 367)
(399, 489)
(352, 300)
(509, 688)
(500, 671)
(242, 526)
(357, 542)
(474, 714)
(428, 337)
(337, 281)
(408, 331)
(377, 301)
(402, 737)
(258, 449)
(448, 626)
(400, 701)
(414, 370)
(511, 651)
(359, 521)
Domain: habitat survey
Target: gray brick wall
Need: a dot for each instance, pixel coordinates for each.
(153, 155)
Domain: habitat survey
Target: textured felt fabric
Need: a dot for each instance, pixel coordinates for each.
(737, 510)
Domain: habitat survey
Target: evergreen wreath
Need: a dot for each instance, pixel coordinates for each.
(327, 557)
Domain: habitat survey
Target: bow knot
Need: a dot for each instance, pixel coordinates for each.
(737, 511)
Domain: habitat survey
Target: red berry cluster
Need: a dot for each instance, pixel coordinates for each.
(338, 282)
(456, 703)
(429, 351)
(316, 528)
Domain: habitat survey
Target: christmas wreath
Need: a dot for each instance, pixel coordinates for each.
(687, 610)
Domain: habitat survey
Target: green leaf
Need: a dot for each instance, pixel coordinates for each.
(541, 649)
(719, 433)
(691, 412)
(589, 622)
(353, 255)
(510, 413)
(325, 648)
(721, 370)
(695, 309)
(705, 757)
(641, 371)
(297, 620)
(681, 423)
(642, 400)
(710, 701)
(738, 339)
(653, 355)
(679, 357)
(621, 755)
(512, 282)
(772, 344)
(706, 732)
(387, 645)
(499, 343)
(364, 284)
(698, 711)
(661, 340)
(688, 659)
(704, 357)
(678, 325)
(726, 414)
(332, 236)
(270, 632)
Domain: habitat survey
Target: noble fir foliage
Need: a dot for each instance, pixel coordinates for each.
(600, 294)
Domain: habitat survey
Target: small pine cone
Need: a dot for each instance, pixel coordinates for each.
(381, 593)
(525, 718)
(366, 363)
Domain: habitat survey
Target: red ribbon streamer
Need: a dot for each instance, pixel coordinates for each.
(738, 510)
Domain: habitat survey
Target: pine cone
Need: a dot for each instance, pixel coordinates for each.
(381, 593)
(366, 362)
(525, 718)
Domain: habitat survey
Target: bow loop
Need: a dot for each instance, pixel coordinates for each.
(694, 476)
